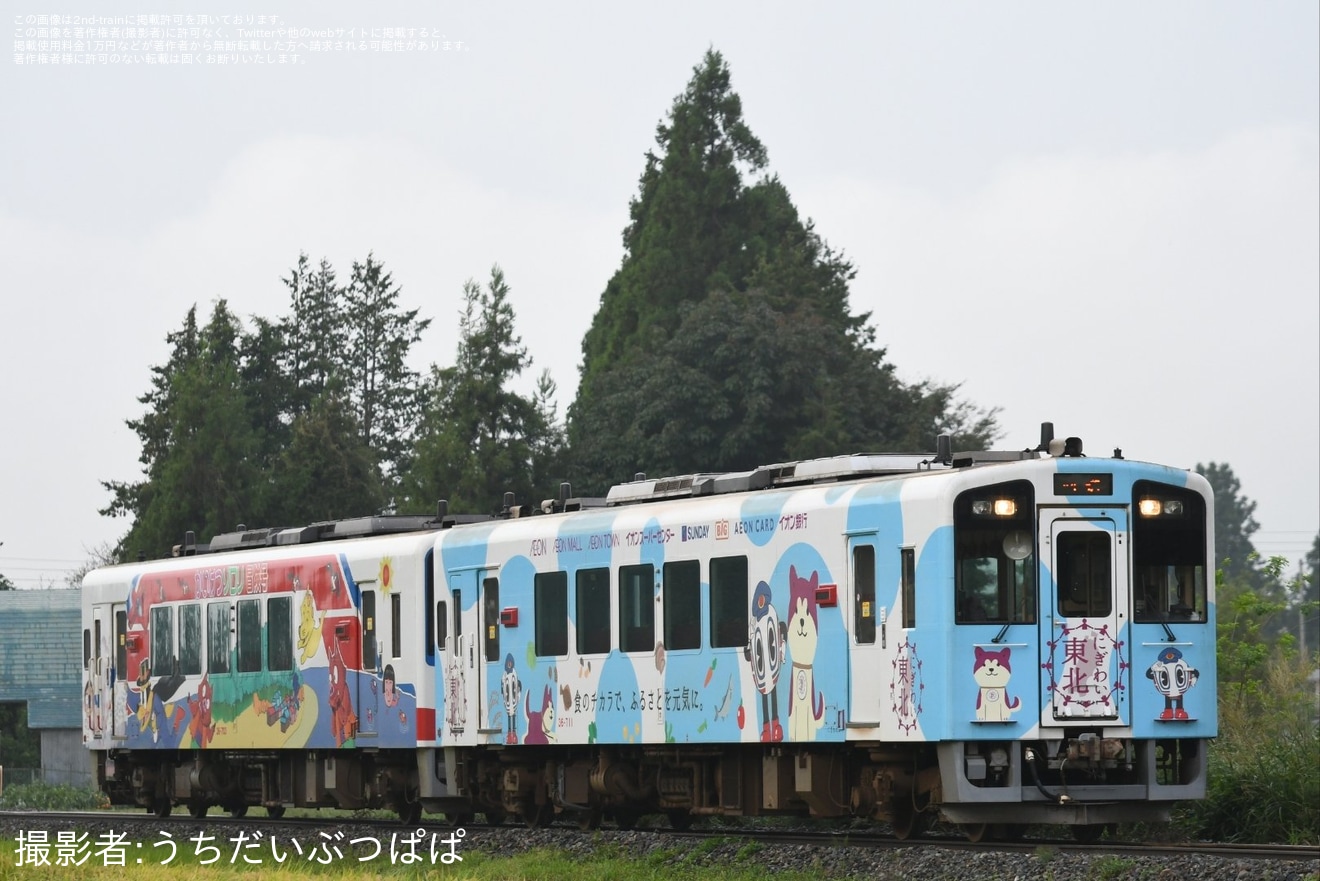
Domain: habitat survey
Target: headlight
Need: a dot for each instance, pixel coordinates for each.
(996, 507)
(1161, 507)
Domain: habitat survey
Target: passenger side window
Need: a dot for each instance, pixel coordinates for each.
(217, 637)
(551, 600)
(637, 608)
(162, 641)
(396, 626)
(249, 636)
(279, 633)
(908, 561)
(729, 607)
(682, 605)
(190, 640)
(593, 611)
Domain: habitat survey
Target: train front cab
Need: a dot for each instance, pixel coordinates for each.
(1098, 583)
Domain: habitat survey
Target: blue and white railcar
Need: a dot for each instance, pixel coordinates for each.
(994, 638)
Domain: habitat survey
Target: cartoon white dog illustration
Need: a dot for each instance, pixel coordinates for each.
(992, 673)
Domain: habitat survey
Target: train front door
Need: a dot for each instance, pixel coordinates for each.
(1084, 643)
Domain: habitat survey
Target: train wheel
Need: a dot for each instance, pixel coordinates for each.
(495, 816)
(457, 819)
(976, 832)
(197, 809)
(539, 816)
(162, 807)
(626, 819)
(275, 811)
(680, 820)
(238, 812)
(410, 812)
(589, 819)
(1088, 834)
(909, 823)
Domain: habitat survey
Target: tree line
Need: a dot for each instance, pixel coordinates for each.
(724, 340)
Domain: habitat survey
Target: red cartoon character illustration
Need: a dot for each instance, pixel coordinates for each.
(200, 725)
(343, 721)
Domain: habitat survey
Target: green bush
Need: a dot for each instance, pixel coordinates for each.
(45, 797)
(1260, 791)
(1264, 768)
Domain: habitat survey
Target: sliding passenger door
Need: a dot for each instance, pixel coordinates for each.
(866, 684)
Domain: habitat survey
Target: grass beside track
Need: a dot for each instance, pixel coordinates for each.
(539, 865)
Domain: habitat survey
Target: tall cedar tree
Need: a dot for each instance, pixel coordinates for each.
(315, 348)
(386, 395)
(1235, 524)
(480, 438)
(327, 472)
(725, 339)
(198, 446)
(273, 427)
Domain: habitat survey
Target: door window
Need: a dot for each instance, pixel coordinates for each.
(1085, 580)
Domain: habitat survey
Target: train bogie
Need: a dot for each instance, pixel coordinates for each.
(997, 639)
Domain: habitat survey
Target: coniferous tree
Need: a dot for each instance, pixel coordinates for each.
(315, 334)
(479, 437)
(269, 393)
(725, 338)
(198, 443)
(385, 393)
(1235, 524)
(327, 472)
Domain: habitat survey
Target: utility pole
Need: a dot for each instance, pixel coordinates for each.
(1301, 609)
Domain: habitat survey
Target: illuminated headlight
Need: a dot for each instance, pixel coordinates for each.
(1160, 507)
(997, 507)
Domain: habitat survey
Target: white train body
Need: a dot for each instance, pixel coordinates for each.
(997, 638)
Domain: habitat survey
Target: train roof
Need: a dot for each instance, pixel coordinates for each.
(641, 490)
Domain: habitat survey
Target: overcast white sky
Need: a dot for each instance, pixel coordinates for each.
(1104, 215)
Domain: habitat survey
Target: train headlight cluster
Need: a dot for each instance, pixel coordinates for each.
(994, 507)
(1160, 507)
